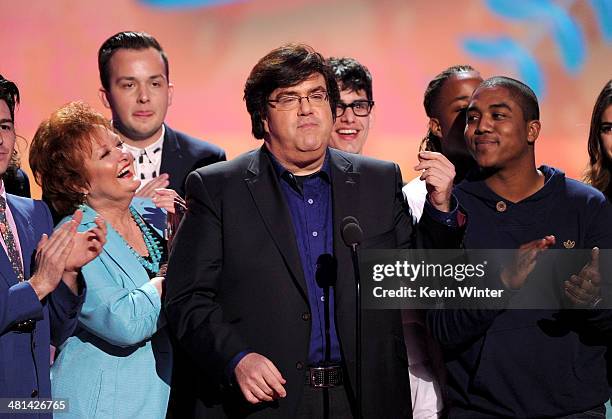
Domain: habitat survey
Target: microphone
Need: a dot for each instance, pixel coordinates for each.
(352, 234)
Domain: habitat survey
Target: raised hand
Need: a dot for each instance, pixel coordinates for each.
(148, 191)
(51, 255)
(438, 174)
(259, 380)
(524, 261)
(168, 199)
(583, 290)
(87, 245)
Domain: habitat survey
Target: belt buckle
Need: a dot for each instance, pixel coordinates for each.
(325, 377)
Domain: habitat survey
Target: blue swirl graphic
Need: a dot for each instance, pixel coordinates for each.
(512, 54)
(188, 4)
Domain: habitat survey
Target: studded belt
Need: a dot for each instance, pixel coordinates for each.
(324, 376)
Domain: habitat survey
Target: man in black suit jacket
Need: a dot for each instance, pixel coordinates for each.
(241, 293)
(136, 88)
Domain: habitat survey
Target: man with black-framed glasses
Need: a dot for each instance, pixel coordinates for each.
(354, 110)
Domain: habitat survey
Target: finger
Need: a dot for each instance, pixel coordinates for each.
(572, 298)
(544, 242)
(103, 229)
(249, 396)
(56, 252)
(590, 275)
(435, 156)
(550, 240)
(77, 217)
(146, 191)
(165, 191)
(66, 249)
(275, 371)
(575, 280)
(261, 391)
(180, 202)
(41, 243)
(149, 189)
(435, 164)
(95, 236)
(595, 258)
(436, 180)
(273, 381)
(588, 286)
(578, 296)
(55, 240)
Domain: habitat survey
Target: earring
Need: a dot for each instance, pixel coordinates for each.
(84, 198)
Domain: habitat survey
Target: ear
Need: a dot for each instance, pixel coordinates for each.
(266, 127)
(435, 127)
(372, 117)
(170, 93)
(533, 131)
(104, 94)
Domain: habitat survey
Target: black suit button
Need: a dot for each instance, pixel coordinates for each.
(306, 316)
(34, 393)
(299, 365)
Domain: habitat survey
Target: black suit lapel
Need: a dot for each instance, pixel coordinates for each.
(345, 193)
(262, 182)
(171, 159)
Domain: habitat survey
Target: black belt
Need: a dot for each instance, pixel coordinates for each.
(27, 326)
(324, 376)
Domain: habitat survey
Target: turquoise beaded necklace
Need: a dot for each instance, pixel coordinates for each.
(151, 242)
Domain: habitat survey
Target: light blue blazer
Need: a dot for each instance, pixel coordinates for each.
(118, 363)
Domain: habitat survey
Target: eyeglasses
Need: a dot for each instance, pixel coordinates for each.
(359, 107)
(288, 102)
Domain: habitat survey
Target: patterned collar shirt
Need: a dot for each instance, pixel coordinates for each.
(147, 161)
(8, 222)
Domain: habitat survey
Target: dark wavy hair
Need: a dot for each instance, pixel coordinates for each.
(600, 167)
(58, 153)
(9, 93)
(285, 66)
(351, 75)
(430, 102)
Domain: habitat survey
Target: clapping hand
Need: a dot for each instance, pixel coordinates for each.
(524, 261)
(583, 290)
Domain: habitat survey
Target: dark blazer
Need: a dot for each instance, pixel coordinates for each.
(24, 372)
(183, 154)
(235, 282)
(17, 183)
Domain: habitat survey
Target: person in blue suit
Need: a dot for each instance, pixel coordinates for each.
(118, 361)
(40, 287)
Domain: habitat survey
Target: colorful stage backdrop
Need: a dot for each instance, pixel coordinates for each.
(561, 48)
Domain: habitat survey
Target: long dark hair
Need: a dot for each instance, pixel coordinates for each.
(598, 172)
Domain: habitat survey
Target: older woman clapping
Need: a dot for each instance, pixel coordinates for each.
(118, 362)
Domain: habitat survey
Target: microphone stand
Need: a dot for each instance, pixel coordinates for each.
(355, 259)
(326, 277)
(327, 361)
(352, 234)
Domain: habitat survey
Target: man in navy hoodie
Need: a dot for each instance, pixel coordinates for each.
(524, 363)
